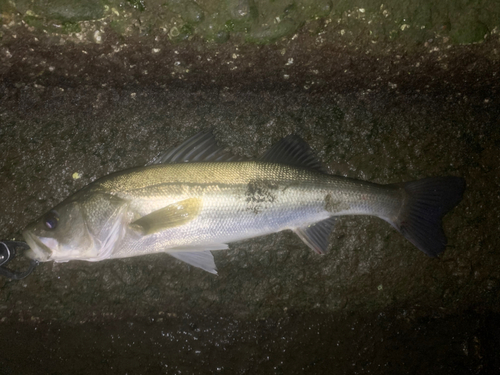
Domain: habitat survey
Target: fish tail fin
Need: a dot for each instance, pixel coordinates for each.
(426, 202)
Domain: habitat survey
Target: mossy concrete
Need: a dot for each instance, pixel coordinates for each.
(262, 22)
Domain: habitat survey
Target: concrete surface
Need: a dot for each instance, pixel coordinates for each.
(96, 87)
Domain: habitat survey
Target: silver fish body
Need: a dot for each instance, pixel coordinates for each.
(187, 209)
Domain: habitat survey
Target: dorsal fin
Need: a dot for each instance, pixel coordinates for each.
(293, 150)
(201, 147)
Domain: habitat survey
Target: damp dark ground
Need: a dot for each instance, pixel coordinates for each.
(72, 112)
(466, 343)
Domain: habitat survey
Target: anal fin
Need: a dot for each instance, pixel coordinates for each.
(200, 259)
(316, 236)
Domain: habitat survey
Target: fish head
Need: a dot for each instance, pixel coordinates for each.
(84, 227)
(61, 234)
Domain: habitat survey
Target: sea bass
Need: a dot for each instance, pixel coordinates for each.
(197, 198)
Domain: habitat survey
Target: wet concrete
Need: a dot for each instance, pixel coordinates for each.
(295, 343)
(390, 113)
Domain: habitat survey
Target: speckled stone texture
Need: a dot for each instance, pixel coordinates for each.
(78, 105)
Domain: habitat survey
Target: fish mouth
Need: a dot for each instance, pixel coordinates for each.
(38, 250)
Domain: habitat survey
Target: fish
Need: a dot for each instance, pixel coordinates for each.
(196, 198)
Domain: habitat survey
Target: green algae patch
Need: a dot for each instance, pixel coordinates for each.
(5, 7)
(189, 11)
(315, 9)
(59, 27)
(69, 10)
(181, 33)
(268, 34)
(353, 23)
(71, 27)
(137, 4)
(468, 31)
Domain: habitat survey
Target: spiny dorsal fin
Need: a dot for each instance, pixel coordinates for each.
(316, 235)
(171, 216)
(201, 147)
(293, 150)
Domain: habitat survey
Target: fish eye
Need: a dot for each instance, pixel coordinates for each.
(51, 220)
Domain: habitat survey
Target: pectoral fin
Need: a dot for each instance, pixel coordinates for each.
(173, 215)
